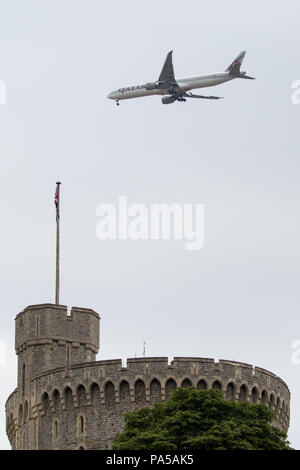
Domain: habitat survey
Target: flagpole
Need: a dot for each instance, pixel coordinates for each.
(57, 244)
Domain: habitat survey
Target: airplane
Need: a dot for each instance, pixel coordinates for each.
(179, 90)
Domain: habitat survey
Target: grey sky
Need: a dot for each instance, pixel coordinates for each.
(238, 297)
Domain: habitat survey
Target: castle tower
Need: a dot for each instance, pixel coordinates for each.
(67, 400)
(47, 337)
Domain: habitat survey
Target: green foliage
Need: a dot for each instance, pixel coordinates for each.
(200, 420)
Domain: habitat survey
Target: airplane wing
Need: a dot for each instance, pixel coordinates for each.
(191, 95)
(181, 96)
(167, 73)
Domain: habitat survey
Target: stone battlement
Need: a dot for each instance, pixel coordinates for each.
(192, 366)
(67, 400)
(52, 322)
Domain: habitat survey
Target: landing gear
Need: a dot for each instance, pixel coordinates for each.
(175, 96)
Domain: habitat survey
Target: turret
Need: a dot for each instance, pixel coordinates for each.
(48, 337)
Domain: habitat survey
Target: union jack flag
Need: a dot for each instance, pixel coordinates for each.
(56, 202)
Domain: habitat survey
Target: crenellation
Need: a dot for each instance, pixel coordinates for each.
(65, 399)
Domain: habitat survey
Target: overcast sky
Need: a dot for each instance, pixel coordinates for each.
(238, 298)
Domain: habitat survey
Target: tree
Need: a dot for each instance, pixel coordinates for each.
(200, 420)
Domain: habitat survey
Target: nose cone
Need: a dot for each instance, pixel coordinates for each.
(112, 95)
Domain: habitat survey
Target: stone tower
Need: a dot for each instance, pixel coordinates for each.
(65, 399)
(48, 337)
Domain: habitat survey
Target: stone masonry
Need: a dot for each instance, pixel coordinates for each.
(65, 399)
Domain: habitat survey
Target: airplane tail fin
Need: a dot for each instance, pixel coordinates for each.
(234, 68)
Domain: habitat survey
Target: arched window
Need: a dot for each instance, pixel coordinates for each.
(254, 395)
(46, 424)
(272, 402)
(80, 424)
(81, 396)
(109, 394)
(243, 393)
(202, 385)
(186, 383)
(25, 411)
(95, 394)
(124, 392)
(45, 403)
(68, 398)
(283, 410)
(230, 391)
(20, 415)
(155, 391)
(264, 397)
(55, 429)
(140, 391)
(56, 401)
(217, 385)
(278, 406)
(170, 386)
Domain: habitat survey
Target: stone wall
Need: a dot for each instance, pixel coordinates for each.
(83, 407)
(48, 337)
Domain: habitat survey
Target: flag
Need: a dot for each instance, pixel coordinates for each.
(56, 202)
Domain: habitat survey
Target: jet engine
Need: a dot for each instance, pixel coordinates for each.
(168, 99)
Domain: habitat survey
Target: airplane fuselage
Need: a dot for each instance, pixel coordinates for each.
(184, 84)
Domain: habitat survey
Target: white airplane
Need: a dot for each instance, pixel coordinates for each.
(177, 90)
